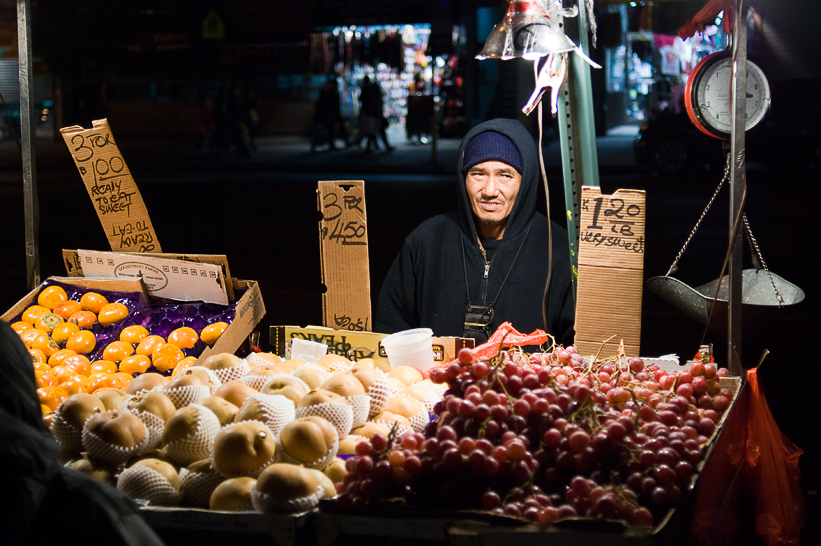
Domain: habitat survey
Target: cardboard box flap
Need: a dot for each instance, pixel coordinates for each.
(74, 266)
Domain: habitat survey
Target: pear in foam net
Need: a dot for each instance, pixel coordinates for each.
(285, 487)
(71, 415)
(330, 406)
(243, 449)
(153, 402)
(336, 471)
(334, 363)
(114, 436)
(388, 418)
(112, 398)
(166, 470)
(378, 364)
(222, 360)
(308, 440)
(328, 488)
(226, 366)
(406, 374)
(198, 483)
(313, 376)
(370, 428)
(233, 495)
(117, 428)
(343, 384)
(260, 375)
(189, 434)
(195, 375)
(222, 408)
(291, 364)
(235, 392)
(146, 382)
(92, 469)
(366, 375)
(153, 480)
(288, 386)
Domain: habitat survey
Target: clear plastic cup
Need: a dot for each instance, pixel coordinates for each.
(412, 348)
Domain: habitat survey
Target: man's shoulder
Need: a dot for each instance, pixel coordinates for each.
(434, 231)
(436, 225)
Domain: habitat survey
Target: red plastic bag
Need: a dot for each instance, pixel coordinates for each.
(773, 476)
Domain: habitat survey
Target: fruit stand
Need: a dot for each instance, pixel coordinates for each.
(218, 440)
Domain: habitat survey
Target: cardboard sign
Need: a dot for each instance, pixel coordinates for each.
(113, 191)
(611, 271)
(343, 245)
(163, 278)
(74, 267)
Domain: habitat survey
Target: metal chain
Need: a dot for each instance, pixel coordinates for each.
(754, 245)
(674, 267)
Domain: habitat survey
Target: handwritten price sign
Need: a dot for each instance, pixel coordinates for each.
(611, 271)
(343, 241)
(111, 187)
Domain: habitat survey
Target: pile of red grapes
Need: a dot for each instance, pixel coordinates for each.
(549, 436)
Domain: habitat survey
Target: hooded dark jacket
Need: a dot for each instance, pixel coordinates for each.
(425, 286)
(42, 502)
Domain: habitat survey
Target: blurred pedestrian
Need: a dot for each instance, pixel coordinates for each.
(328, 115)
(372, 120)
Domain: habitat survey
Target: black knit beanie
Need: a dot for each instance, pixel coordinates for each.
(491, 146)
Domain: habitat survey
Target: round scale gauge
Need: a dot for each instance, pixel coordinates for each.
(708, 91)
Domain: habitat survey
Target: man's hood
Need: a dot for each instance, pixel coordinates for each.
(525, 206)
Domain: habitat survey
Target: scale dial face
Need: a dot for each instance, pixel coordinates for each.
(708, 93)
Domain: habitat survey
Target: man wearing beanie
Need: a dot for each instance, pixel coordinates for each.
(464, 273)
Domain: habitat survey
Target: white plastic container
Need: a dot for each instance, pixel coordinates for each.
(410, 348)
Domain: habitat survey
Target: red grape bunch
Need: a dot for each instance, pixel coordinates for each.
(549, 436)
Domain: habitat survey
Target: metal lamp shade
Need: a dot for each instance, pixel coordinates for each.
(525, 32)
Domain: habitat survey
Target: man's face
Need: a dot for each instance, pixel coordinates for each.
(492, 189)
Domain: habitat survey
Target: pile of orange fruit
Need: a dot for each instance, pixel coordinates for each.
(56, 321)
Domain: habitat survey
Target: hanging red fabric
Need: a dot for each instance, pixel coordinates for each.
(708, 14)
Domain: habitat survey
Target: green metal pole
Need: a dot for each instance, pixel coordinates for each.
(577, 132)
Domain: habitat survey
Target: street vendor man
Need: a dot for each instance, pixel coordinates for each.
(466, 272)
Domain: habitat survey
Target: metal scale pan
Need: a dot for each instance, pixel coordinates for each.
(759, 302)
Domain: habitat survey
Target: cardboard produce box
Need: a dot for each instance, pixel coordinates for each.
(358, 345)
(248, 310)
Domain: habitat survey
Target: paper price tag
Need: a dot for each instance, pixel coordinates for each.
(111, 187)
(171, 279)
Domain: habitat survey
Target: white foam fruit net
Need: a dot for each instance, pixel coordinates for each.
(256, 380)
(147, 484)
(106, 452)
(154, 425)
(339, 415)
(196, 446)
(252, 474)
(282, 456)
(265, 503)
(361, 406)
(187, 395)
(233, 373)
(277, 410)
(379, 392)
(255, 359)
(197, 487)
(271, 379)
(213, 378)
(69, 437)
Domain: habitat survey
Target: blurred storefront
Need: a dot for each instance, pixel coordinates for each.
(646, 64)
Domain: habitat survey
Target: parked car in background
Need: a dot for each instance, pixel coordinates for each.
(791, 132)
